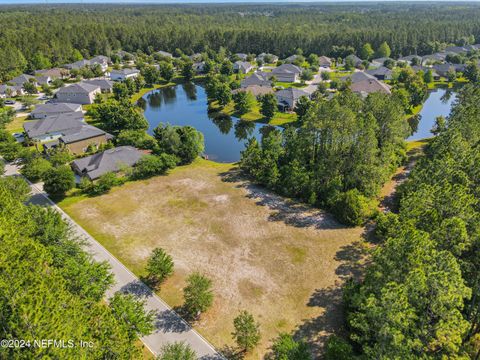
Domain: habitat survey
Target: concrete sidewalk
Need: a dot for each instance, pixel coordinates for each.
(170, 327)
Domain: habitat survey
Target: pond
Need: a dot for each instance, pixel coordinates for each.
(438, 103)
(186, 104)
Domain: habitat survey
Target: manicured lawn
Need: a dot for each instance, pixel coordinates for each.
(16, 125)
(278, 119)
(282, 261)
(145, 90)
(289, 84)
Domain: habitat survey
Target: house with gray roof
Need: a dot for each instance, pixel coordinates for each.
(357, 76)
(241, 56)
(22, 79)
(381, 73)
(356, 61)
(43, 80)
(112, 160)
(288, 98)
(97, 60)
(52, 127)
(124, 74)
(410, 58)
(54, 73)
(443, 69)
(264, 57)
(255, 90)
(242, 67)
(287, 73)
(11, 91)
(80, 93)
(433, 58)
(291, 59)
(105, 85)
(257, 78)
(41, 111)
(324, 62)
(66, 130)
(165, 54)
(380, 61)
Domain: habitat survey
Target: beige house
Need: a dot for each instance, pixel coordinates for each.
(81, 93)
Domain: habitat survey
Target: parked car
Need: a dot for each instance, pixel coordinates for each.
(9, 102)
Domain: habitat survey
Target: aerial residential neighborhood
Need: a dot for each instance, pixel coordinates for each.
(239, 180)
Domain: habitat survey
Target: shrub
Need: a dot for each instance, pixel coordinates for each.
(35, 169)
(285, 347)
(151, 165)
(103, 184)
(177, 351)
(352, 208)
(57, 181)
(337, 348)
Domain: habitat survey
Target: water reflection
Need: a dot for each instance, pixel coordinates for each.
(186, 104)
(190, 90)
(438, 103)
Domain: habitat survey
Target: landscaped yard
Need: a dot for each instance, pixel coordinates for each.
(279, 260)
(279, 118)
(16, 125)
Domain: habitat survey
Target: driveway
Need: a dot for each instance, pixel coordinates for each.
(170, 327)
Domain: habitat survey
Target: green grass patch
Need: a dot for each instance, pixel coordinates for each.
(416, 144)
(278, 119)
(17, 124)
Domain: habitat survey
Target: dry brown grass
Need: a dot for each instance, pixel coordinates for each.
(281, 261)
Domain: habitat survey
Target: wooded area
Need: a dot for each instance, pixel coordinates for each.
(40, 36)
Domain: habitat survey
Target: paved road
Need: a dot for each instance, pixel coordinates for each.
(170, 327)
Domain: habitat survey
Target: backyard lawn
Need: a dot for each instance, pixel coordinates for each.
(282, 261)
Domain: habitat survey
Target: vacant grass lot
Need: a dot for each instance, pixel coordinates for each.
(281, 261)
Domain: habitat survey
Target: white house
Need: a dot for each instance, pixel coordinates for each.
(124, 74)
(242, 67)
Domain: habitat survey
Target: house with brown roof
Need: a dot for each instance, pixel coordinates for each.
(369, 86)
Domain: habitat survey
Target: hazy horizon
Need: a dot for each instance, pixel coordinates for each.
(20, 2)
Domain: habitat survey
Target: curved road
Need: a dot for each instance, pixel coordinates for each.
(170, 327)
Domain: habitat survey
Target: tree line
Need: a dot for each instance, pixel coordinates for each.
(420, 297)
(42, 36)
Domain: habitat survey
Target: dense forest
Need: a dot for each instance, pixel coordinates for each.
(32, 37)
(50, 288)
(420, 297)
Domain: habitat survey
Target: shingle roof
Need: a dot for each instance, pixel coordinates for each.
(287, 68)
(110, 160)
(125, 71)
(22, 79)
(104, 84)
(382, 70)
(257, 78)
(56, 108)
(370, 86)
(292, 93)
(54, 124)
(81, 87)
(358, 76)
(81, 133)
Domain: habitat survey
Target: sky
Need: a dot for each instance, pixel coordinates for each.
(182, 1)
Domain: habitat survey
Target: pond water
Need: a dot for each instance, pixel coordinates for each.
(225, 136)
(438, 103)
(186, 104)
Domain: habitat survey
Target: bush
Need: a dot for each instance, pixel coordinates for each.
(151, 165)
(35, 169)
(60, 157)
(285, 347)
(337, 348)
(177, 351)
(137, 138)
(57, 181)
(352, 208)
(103, 184)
